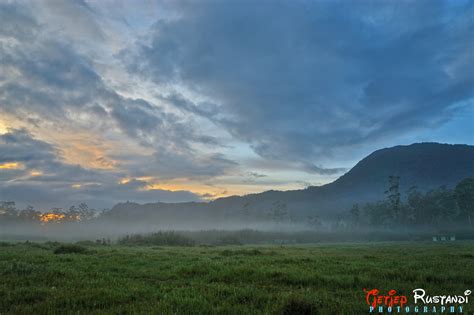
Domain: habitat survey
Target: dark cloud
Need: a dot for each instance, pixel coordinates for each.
(98, 196)
(256, 175)
(298, 80)
(17, 22)
(182, 164)
(325, 171)
(153, 126)
(52, 82)
(62, 184)
(19, 146)
(204, 109)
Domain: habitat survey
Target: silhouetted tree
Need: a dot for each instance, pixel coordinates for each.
(464, 194)
(414, 207)
(279, 212)
(29, 215)
(8, 211)
(246, 212)
(378, 214)
(437, 207)
(315, 222)
(355, 216)
(72, 214)
(85, 213)
(393, 195)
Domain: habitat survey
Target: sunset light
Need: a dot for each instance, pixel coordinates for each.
(52, 217)
(3, 128)
(35, 173)
(11, 166)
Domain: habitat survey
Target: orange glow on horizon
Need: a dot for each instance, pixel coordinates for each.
(79, 151)
(209, 193)
(11, 166)
(3, 128)
(52, 217)
(204, 191)
(35, 173)
(82, 148)
(124, 181)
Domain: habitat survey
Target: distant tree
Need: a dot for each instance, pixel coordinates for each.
(449, 209)
(85, 213)
(393, 195)
(103, 213)
(29, 215)
(83, 206)
(355, 216)
(378, 213)
(246, 213)
(440, 205)
(57, 210)
(7, 206)
(414, 207)
(71, 215)
(339, 224)
(315, 222)
(279, 212)
(8, 211)
(464, 194)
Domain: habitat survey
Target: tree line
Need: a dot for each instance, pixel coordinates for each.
(441, 207)
(10, 214)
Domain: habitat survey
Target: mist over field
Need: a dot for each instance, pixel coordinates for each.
(362, 205)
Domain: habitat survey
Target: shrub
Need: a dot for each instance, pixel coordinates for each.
(70, 249)
(160, 239)
(229, 240)
(298, 306)
(242, 252)
(85, 243)
(52, 244)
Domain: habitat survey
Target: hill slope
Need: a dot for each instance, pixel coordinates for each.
(425, 165)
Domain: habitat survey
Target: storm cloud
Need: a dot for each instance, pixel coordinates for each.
(40, 178)
(105, 101)
(299, 79)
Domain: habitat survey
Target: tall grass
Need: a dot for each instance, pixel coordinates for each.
(168, 238)
(310, 279)
(241, 237)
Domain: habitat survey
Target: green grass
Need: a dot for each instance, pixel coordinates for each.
(319, 279)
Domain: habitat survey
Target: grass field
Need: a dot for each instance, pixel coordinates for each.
(318, 279)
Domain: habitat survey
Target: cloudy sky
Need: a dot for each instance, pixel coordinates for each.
(107, 101)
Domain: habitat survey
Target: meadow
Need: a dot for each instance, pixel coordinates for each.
(89, 278)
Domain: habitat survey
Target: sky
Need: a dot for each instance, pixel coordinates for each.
(108, 101)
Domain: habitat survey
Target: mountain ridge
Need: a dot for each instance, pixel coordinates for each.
(427, 165)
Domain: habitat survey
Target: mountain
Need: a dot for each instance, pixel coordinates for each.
(425, 165)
